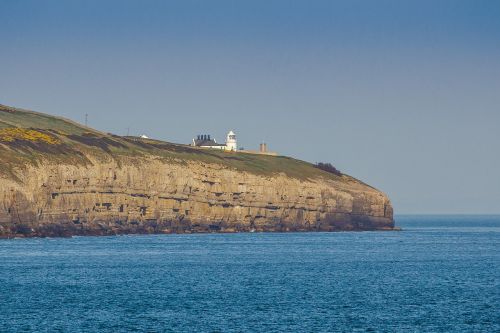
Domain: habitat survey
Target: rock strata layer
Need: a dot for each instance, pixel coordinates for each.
(150, 195)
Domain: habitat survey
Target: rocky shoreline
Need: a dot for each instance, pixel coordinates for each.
(147, 196)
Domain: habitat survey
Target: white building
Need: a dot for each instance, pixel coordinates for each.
(206, 141)
(231, 143)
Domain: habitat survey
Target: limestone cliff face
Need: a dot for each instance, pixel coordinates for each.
(150, 195)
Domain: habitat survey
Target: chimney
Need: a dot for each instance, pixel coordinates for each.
(263, 148)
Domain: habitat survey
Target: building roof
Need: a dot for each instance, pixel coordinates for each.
(211, 142)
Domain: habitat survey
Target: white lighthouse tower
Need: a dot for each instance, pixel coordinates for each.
(231, 141)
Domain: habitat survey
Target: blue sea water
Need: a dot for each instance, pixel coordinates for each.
(440, 274)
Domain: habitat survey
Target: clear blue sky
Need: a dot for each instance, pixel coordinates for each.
(404, 95)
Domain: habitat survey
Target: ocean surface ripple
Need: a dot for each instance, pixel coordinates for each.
(440, 274)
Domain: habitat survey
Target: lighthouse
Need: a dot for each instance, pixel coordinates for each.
(231, 141)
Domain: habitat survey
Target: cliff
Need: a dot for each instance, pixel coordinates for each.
(58, 178)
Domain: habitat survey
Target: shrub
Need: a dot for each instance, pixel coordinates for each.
(23, 134)
(328, 167)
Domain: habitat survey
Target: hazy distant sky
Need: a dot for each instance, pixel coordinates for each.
(404, 95)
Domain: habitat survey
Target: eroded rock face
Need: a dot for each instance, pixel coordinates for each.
(141, 195)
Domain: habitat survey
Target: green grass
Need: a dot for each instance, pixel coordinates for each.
(4, 125)
(29, 119)
(76, 138)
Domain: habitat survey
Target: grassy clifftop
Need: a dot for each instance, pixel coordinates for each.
(32, 137)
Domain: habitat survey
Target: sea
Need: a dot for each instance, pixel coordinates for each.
(439, 274)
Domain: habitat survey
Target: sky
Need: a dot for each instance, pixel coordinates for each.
(404, 95)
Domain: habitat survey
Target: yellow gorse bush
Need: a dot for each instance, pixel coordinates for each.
(13, 134)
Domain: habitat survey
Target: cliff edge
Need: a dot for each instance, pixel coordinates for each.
(59, 178)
